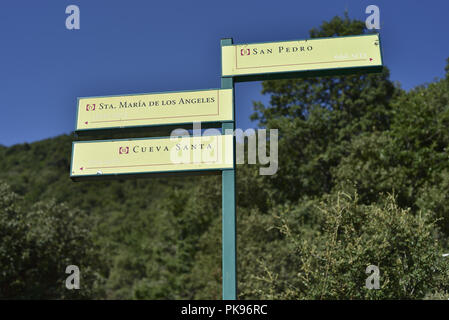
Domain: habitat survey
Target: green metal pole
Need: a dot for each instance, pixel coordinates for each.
(229, 253)
(229, 250)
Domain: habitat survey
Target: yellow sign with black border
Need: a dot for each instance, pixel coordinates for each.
(320, 55)
(156, 109)
(151, 155)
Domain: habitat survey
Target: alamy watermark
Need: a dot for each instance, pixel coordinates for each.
(373, 20)
(72, 22)
(373, 281)
(73, 280)
(199, 151)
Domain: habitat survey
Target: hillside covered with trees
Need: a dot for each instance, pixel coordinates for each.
(363, 180)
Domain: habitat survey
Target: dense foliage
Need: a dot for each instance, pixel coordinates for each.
(363, 179)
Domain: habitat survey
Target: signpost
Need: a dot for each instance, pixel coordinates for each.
(151, 156)
(280, 60)
(156, 109)
(206, 154)
(293, 59)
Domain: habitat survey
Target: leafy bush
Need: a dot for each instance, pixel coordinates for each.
(330, 262)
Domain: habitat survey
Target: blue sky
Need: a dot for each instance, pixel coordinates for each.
(138, 46)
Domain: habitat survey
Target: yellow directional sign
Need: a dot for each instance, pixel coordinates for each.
(141, 110)
(322, 56)
(151, 155)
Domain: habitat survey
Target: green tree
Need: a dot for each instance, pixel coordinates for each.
(317, 117)
(37, 243)
(410, 159)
